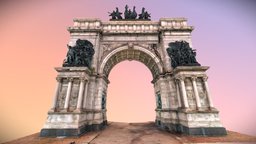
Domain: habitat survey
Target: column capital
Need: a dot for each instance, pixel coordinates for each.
(82, 79)
(180, 78)
(58, 79)
(193, 78)
(205, 78)
(176, 80)
(70, 79)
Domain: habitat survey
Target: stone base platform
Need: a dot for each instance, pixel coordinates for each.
(72, 132)
(196, 131)
(136, 133)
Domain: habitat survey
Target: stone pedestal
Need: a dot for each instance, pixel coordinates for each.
(196, 115)
(68, 115)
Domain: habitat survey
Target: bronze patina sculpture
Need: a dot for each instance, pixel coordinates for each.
(181, 54)
(116, 14)
(79, 55)
(144, 14)
(130, 14)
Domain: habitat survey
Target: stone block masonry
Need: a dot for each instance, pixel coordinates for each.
(182, 93)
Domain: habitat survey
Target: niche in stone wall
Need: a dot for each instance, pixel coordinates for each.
(103, 101)
(190, 93)
(158, 100)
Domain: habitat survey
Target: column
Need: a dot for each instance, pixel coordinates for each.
(207, 91)
(178, 93)
(55, 98)
(198, 103)
(86, 94)
(68, 94)
(184, 93)
(80, 95)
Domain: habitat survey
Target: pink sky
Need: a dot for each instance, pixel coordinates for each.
(33, 39)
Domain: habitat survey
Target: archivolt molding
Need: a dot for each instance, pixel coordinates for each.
(109, 47)
(131, 52)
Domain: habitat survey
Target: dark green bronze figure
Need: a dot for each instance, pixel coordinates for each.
(181, 54)
(116, 14)
(130, 14)
(79, 55)
(144, 14)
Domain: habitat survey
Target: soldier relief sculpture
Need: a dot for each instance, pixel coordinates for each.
(79, 55)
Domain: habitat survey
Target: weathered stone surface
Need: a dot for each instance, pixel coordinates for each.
(182, 92)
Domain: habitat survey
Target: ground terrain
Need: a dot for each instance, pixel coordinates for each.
(136, 133)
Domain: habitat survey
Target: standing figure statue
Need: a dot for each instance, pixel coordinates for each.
(126, 12)
(141, 16)
(134, 13)
(130, 14)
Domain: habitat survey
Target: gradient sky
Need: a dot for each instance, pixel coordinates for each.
(33, 40)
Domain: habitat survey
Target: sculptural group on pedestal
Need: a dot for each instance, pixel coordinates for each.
(79, 55)
(129, 14)
(181, 54)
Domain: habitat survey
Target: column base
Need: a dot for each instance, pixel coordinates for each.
(184, 109)
(78, 110)
(64, 110)
(52, 110)
(213, 109)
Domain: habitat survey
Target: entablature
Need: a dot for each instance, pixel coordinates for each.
(130, 26)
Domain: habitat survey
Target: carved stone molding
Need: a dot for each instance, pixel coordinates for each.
(108, 47)
(180, 78)
(70, 79)
(82, 79)
(205, 78)
(130, 45)
(193, 78)
(59, 79)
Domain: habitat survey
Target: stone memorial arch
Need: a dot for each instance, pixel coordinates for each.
(180, 83)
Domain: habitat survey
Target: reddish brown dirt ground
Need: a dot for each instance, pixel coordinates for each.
(134, 133)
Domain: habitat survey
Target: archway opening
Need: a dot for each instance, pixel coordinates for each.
(130, 93)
